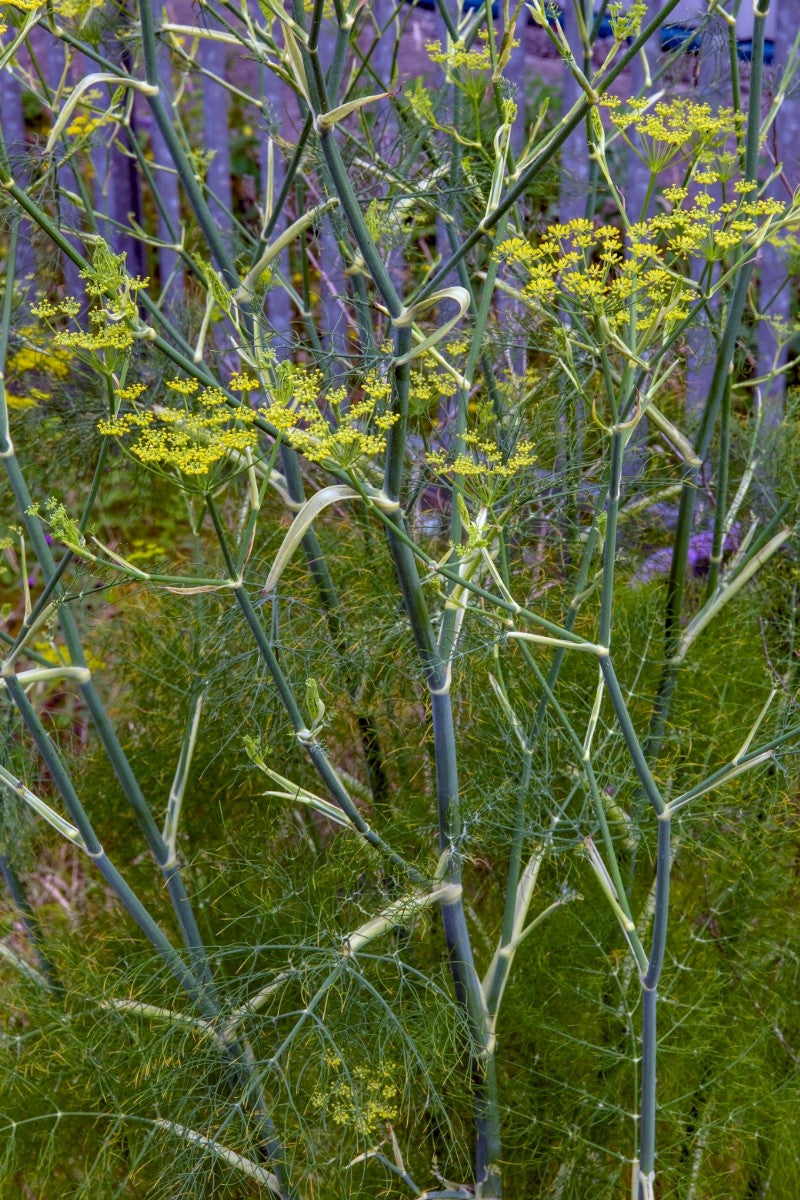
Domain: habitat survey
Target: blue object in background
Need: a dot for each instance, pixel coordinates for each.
(744, 50)
(680, 37)
(604, 28)
(470, 5)
(467, 5)
(688, 39)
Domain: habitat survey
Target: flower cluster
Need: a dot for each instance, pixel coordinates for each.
(108, 280)
(104, 336)
(114, 318)
(458, 56)
(671, 129)
(191, 440)
(626, 23)
(355, 427)
(590, 268)
(84, 124)
(362, 1101)
(483, 459)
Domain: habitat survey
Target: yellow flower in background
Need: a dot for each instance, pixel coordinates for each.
(43, 362)
(85, 124)
(59, 655)
(32, 400)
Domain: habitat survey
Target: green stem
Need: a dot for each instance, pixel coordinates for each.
(304, 736)
(721, 506)
(456, 932)
(650, 983)
(673, 610)
(30, 922)
(610, 540)
(635, 749)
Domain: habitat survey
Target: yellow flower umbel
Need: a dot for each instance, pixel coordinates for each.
(363, 1100)
(483, 460)
(351, 431)
(189, 441)
(458, 56)
(193, 439)
(592, 273)
(114, 322)
(672, 129)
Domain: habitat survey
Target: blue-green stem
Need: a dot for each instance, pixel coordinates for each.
(721, 505)
(610, 541)
(650, 982)
(309, 743)
(552, 144)
(673, 610)
(632, 741)
(457, 937)
(319, 87)
(199, 993)
(94, 849)
(459, 945)
(30, 922)
(652, 974)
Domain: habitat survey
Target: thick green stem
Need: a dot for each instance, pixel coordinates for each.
(635, 749)
(721, 505)
(610, 542)
(650, 981)
(459, 946)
